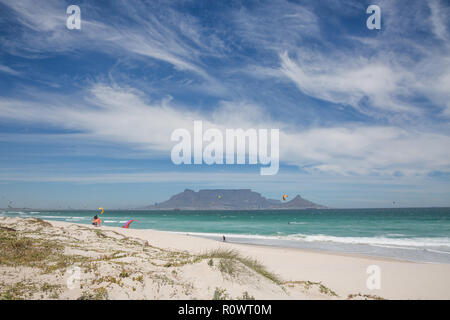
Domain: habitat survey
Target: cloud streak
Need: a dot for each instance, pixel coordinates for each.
(9, 70)
(170, 38)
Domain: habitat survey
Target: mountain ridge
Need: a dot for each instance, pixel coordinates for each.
(228, 199)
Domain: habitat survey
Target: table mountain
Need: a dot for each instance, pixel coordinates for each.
(229, 199)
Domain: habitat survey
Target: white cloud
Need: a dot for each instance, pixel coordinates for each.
(385, 75)
(275, 25)
(178, 40)
(439, 17)
(9, 70)
(367, 150)
(373, 78)
(347, 80)
(122, 115)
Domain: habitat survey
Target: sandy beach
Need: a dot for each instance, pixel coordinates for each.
(60, 260)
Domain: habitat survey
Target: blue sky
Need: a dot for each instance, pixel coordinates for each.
(86, 115)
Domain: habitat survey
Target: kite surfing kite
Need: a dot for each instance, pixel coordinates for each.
(102, 210)
(285, 197)
(127, 225)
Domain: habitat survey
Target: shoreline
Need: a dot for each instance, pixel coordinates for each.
(308, 250)
(195, 268)
(262, 246)
(212, 236)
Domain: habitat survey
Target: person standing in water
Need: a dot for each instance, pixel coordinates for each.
(97, 221)
(223, 238)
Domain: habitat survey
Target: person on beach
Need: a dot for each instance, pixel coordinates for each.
(97, 221)
(223, 238)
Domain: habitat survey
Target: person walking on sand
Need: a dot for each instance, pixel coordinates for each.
(97, 221)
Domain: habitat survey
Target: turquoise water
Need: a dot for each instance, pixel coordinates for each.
(417, 234)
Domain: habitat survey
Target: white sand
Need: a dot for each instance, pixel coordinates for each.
(344, 274)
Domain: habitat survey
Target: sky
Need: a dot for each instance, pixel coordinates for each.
(86, 115)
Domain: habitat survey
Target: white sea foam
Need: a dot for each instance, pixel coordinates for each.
(63, 217)
(374, 241)
(408, 242)
(438, 251)
(77, 219)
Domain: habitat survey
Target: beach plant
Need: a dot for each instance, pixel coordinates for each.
(326, 290)
(7, 229)
(22, 251)
(364, 296)
(246, 296)
(229, 266)
(220, 294)
(39, 221)
(100, 234)
(308, 284)
(108, 279)
(47, 255)
(250, 263)
(97, 294)
(47, 287)
(18, 291)
(124, 274)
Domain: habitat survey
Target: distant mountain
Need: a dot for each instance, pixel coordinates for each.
(226, 199)
(299, 203)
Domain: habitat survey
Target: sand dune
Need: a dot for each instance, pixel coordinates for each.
(73, 261)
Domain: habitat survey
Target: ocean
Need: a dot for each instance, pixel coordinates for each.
(413, 234)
